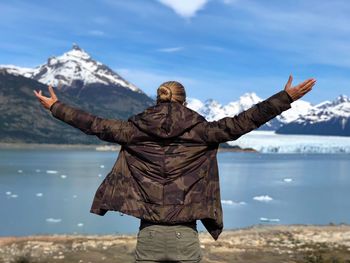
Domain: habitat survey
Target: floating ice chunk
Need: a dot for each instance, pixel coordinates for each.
(63, 176)
(263, 198)
(20, 171)
(14, 196)
(37, 170)
(287, 180)
(8, 193)
(39, 194)
(102, 166)
(75, 196)
(80, 224)
(51, 172)
(53, 220)
(230, 202)
(264, 219)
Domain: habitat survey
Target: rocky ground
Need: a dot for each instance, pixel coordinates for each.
(293, 243)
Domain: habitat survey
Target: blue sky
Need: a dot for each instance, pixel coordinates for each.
(218, 49)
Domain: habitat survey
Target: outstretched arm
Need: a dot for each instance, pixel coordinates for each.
(117, 131)
(231, 128)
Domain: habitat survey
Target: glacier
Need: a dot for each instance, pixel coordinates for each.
(270, 142)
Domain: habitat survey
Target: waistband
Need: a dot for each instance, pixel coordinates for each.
(144, 223)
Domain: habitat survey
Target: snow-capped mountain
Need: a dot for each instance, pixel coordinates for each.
(212, 110)
(80, 77)
(325, 111)
(73, 69)
(326, 118)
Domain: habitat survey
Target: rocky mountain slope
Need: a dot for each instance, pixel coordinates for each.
(24, 120)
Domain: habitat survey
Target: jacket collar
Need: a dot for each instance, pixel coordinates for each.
(166, 119)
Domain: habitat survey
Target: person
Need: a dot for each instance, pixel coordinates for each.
(166, 173)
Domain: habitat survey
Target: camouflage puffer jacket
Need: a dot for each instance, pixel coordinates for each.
(167, 170)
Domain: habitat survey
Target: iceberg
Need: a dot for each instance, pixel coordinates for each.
(264, 219)
(287, 180)
(51, 172)
(53, 220)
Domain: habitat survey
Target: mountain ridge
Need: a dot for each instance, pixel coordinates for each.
(80, 77)
(301, 113)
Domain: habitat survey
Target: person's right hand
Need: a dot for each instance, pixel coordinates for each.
(299, 90)
(46, 101)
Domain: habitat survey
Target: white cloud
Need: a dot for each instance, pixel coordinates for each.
(170, 49)
(185, 8)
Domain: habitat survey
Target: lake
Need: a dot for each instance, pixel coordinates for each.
(49, 191)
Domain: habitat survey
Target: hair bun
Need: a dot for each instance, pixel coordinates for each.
(164, 93)
(171, 91)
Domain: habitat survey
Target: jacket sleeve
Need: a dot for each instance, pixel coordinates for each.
(231, 128)
(111, 130)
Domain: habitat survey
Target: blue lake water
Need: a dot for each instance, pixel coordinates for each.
(50, 191)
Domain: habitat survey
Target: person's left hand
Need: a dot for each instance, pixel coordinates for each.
(46, 101)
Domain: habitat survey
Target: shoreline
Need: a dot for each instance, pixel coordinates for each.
(257, 243)
(97, 147)
(4, 145)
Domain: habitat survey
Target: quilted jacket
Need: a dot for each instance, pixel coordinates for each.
(167, 170)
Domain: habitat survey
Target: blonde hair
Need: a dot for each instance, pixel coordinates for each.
(171, 91)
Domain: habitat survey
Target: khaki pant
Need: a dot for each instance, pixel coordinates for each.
(160, 243)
